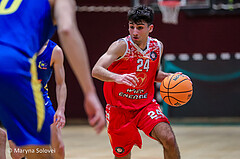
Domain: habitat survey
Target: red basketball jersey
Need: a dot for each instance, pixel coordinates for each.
(145, 65)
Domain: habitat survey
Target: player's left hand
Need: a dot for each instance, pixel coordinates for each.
(59, 118)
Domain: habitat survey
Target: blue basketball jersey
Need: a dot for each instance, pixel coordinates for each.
(26, 25)
(43, 66)
(44, 74)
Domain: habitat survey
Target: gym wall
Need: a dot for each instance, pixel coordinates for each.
(201, 34)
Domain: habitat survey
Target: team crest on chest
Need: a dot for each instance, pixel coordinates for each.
(42, 65)
(153, 55)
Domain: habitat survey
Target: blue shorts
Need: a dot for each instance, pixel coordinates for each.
(22, 110)
(50, 112)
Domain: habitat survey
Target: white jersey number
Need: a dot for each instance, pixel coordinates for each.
(155, 115)
(143, 65)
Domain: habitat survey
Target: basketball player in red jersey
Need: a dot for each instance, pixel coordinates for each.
(129, 69)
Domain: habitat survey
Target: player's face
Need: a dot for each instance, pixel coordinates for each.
(139, 32)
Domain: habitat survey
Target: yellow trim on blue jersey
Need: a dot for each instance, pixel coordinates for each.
(38, 97)
(46, 87)
(14, 6)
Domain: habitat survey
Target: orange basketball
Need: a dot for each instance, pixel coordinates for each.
(176, 89)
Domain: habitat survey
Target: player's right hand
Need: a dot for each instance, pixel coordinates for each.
(127, 79)
(95, 112)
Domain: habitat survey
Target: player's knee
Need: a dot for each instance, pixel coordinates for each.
(169, 141)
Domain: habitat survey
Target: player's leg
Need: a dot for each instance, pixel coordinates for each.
(156, 125)
(3, 138)
(122, 131)
(56, 135)
(163, 133)
(57, 142)
(39, 152)
(15, 154)
(128, 156)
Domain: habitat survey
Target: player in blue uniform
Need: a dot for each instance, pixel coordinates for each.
(50, 58)
(25, 26)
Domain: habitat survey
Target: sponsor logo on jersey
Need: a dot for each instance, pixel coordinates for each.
(141, 79)
(133, 96)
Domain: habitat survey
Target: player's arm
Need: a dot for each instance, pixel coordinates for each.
(61, 89)
(73, 43)
(160, 75)
(100, 71)
(75, 51)
(115, 51)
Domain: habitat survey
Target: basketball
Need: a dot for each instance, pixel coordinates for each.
(176, 89)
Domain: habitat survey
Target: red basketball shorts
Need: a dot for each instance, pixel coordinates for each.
(124, 126)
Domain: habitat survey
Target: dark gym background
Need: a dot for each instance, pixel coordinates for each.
(201, 34)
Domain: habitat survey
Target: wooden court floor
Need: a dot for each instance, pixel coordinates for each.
(195, 142)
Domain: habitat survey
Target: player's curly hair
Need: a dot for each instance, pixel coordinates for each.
(141, 13)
